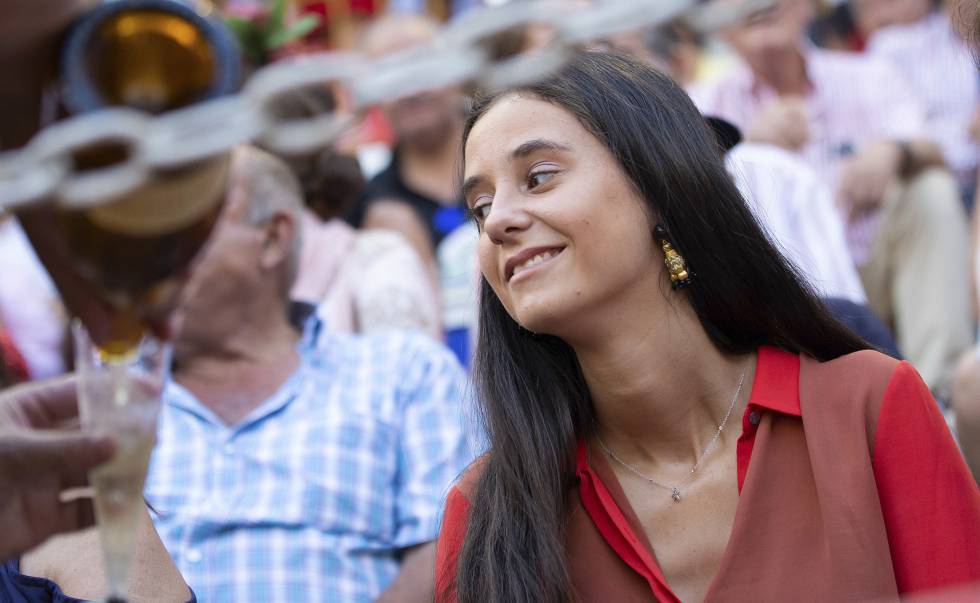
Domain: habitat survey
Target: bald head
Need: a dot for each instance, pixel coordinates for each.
(266, 187)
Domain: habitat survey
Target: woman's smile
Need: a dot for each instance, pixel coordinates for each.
(530, 261)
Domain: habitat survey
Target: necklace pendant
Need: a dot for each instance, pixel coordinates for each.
(675, 494)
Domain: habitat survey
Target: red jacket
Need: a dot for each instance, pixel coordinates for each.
(851, 489)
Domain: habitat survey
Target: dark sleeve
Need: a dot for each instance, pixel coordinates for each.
(929, 501)
(16, 587)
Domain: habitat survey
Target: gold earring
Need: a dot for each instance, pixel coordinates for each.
(676, 266)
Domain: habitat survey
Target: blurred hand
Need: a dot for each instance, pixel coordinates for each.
(867, 176)
(784, 123)
(30, 34)
(38, 463)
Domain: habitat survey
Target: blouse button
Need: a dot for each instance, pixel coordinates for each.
(755, 417)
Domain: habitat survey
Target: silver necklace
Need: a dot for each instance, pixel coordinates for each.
(675, 489)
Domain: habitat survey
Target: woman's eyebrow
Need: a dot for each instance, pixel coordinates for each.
(471, 183)
(538, 144)
(522, 151)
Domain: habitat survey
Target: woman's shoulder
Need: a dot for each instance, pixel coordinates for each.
(467, 483)
(452, 533)
(856, 386)
(865, 368)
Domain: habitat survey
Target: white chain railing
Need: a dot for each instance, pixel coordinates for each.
(45, 170)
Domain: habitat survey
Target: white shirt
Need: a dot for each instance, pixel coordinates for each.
(856, 100)
(797, 209)
(938, 64)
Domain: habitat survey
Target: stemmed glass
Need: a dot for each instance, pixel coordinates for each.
(120, 395)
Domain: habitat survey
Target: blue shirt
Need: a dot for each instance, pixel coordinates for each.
(312, 496)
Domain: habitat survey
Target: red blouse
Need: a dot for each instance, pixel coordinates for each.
(915, 483)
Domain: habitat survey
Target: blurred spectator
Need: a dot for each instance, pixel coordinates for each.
(965, 15)
(416, 194)
(793, 204)
(857, 123)
(937, 62)
(459, 270)
(797, 209)
(30, 308)
(285, 473)
(360, 281)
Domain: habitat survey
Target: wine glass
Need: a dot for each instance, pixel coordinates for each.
(120, 395)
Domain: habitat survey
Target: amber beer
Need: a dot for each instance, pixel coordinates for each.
(154, 55)
(136, 249)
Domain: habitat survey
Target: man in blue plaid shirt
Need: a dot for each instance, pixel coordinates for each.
(290, 472)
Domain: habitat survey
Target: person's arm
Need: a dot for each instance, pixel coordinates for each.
(869, 174)
(392, 288)
(399, 217)
(929, 501)
(917, 156)
(74, 563)
(899, 148)
(414, 583)
(433, 452)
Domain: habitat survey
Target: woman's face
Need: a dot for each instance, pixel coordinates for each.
(565, 238)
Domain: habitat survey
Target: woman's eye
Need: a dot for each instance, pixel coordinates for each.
(480, 208)
(536, 179)
(480, 212)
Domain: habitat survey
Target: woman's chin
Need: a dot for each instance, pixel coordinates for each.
(542, 323)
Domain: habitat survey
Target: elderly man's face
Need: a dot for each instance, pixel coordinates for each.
(227, 275)
(769, 31)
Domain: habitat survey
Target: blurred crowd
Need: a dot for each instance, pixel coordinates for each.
(314, 406)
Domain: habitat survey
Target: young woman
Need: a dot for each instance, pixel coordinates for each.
(671, 413)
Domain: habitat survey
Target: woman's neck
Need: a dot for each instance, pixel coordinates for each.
(660, 388)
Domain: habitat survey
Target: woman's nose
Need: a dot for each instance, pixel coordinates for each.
(507, 218)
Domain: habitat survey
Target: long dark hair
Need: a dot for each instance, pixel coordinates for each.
(534, 399)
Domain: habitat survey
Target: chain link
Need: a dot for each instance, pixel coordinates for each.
(459, 55)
